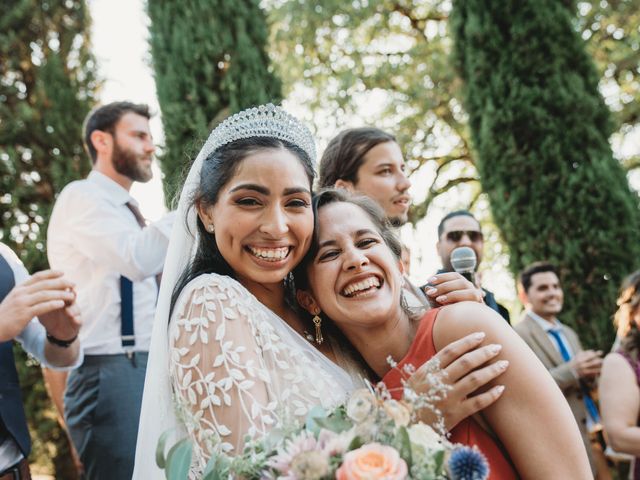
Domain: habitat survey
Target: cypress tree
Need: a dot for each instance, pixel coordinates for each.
(46, 89)
(541, 129)
(209, 61)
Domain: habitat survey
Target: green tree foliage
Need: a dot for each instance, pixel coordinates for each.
(46, 89)
(610, 28)
(209, 61)
(390, 52)
(343, 55)
(541, 129)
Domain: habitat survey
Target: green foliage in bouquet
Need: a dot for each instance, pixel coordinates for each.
(178, 459)
(209, 62)
(541, 132)
(47, 87)
(371, 429)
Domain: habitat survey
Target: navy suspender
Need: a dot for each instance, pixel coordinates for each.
(126, 307)
(126, 296)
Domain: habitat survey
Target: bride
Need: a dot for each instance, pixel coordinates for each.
(229, 354)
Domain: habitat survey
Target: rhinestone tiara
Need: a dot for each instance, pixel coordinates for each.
(263, 121)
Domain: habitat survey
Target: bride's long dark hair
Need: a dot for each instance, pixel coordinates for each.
(217, 170)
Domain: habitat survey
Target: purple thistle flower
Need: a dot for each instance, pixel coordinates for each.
(466, 463)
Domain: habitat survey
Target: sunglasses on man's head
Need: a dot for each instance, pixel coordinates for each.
(456, 235)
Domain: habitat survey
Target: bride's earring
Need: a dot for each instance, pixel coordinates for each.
(211, 228)
(317, 321)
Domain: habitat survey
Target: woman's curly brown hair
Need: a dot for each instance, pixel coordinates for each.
(628, 305)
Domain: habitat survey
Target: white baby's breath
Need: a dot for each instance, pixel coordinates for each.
(425, 437)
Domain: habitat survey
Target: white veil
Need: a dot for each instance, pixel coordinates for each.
(158, 413)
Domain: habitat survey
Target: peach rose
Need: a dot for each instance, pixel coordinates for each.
(372, 461)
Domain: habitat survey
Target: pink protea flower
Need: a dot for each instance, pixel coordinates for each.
(333, 443)
(295, 453)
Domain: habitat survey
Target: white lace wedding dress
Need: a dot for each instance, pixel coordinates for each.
(236, 368)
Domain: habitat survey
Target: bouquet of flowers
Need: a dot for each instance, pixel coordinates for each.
(371, 436)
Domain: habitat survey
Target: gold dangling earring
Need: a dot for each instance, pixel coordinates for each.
(317, 321)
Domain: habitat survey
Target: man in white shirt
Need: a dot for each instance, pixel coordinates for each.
(98, 238)
(52, 338)
(557, 345)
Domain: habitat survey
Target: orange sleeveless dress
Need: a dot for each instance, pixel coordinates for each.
(468, 431)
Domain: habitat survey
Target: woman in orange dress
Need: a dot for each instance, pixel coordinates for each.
(352, 278)
(468, 431)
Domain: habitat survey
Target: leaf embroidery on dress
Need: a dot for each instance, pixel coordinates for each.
(231, 371)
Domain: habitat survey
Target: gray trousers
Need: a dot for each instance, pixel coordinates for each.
(102, 409)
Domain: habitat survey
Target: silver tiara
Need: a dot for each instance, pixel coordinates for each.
(263, 121)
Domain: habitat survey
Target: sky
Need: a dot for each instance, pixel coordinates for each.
(119, 33)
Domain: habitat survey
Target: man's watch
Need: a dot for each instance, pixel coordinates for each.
(61, 343)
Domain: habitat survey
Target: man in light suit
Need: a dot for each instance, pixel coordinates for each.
(557, 345)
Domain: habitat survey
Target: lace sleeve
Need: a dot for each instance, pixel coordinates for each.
(221, 386)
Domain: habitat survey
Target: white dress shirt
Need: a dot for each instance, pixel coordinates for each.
(32, 338)
(94, 239)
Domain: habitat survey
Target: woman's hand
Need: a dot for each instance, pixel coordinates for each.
(460, 362)
(531, 401)
(451, 287)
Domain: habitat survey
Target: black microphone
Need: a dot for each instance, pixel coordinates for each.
(464, 261)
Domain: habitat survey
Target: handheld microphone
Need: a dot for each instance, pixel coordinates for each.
(464, 261)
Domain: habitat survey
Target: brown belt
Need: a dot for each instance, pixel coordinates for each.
(20, 471)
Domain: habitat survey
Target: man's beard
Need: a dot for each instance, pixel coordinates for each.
(129, 164)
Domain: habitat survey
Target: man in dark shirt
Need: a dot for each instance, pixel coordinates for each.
(461, 229)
